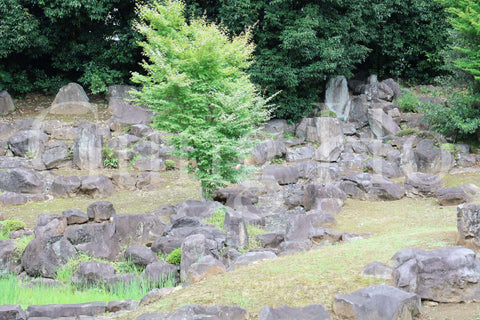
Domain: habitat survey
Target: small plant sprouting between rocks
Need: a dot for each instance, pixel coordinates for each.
(175, 256)
(217, 219)
(406, 132)
(169, 164)
(8, 226)
(109, 159)
(20, 245)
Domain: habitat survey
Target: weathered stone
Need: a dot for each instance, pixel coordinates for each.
(206, 267)
(126, 181)
(268, 150)
(87, 149)
(27, 143)
(21, 181)
(283, 175)
(377, 302)
(160, 272)
(442, 275)
(328, 205)
(156, 294)
(423, 184)
(8, 198)
(56, 155)
(149, 164)
(149, 181)
(320, 219)
(139, 229)
(193, 249)
(337, 97)
(66, 310)
(140, 255)
(313, 192)
(101, 211)
(166, 244)
(378, 270)
(270, 240)
(6, 103)
(384, 168)
(381, 124)
(359, 109)
(120, 91)
(128, 113)
(329, 150)
(299, 228)
(97, 239)
(300, 154)
(198, 209)
(12, 312)
(44, 255)
(367, 186)
(277, 128)
(236, 229)
(92, 273)
(96, 186)
(321, 129)
(468, 225)
(465, 160)
(65, 186)
(7, 254)
(252, 257)
(123, 305)
(311, 312)
(432, 160)
(71, 99)
(451, 196)
(50, 225)
(75, 216)
(140, 130)
(201, 312)
(394, 86)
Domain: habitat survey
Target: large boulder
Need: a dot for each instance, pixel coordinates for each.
(320, 129)
(193, 249)
(128, 113)
(468, 225)
(236, 229)
(12, 312)
(378, 302)
(381, 124)
(160, 272)
(442, 275)
(337, 97)
(56, 154)
(88, 147)
(300, 154)
(196, 208)
(311, 312)
(366, 186)
(315, 192)
(44, 255)
(6, 103)
(21, 181)
(140, 255)
(96, 186)
(452, 196)
(268, 150)
(140, 229)
(27, 143)
(98, 240)
(423, 184)
(92, 273)
(62, 311)
(433, 160)
(8, 198)
(65, 186)
(359, 109)
(71, 100)
(283, 175)
(277, 128)
(206, 267)
(101, 211)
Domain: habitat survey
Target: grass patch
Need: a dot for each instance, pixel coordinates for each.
(407, 132)
(217, 219)
(7, 226)
(20, 245)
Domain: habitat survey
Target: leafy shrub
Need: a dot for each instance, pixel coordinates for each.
(175, 256)
(458, 118)
(9, 226)
(109, 159)
(408, 102)
(169, 164)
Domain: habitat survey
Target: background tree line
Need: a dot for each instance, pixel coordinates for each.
(299, 43)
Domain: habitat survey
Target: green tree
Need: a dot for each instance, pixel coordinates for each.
(196, 83)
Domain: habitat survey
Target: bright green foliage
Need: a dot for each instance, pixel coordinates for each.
(175, 256)
(465, 18)
(408, 102)
(109, 159)
(459, 117)
(217, 219)
(20, 245)
(169, 164)
(8, 226)
(45, 44)
(197, 84)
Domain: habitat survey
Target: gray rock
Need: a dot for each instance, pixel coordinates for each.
(236, 229)
(140, 255)
(149, 164)
(7, 254)
(277, 128)
(87, 149)
(431, 160)
(140, 130)
(251, 257)
(268, 150)
(270, 240)
(122, 305)
(98, 240)
(128, 113)
(321, 129)
(160, 272)
(101, 211)
(329, 151)
(442, 275)
(149, 181)
(384, 168)
(299, 228)
(8, 198)
(96, 186)
(6, 103)
(139, 229)
(394, 86)
(65, 186)
(21, 181)
(154, 295)
(50, 225)
(27, 143)
(12, 312)
(56, 155)
(194, 247)
(373, 187)
(283, 175)
(337, 97)
(378, 270)
(166, 244)
(300, 154)
(328, 205)
(66, 310)
(452, 196)
(423, 184)
(314, 192)
(359, 109)
(202, 312)
(44, 255)
(468, 225)
(377, 302)
(126, 181)
(71, 100)
(311, 312)
(119, 91)
(465, 160)
(75, 216)
(381, 124)
(90, 274)
(198, 209)
(206, 267)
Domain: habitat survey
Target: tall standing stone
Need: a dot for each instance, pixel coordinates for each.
(6, 103)
(71, 99)
(337, 98)
(87, 149)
